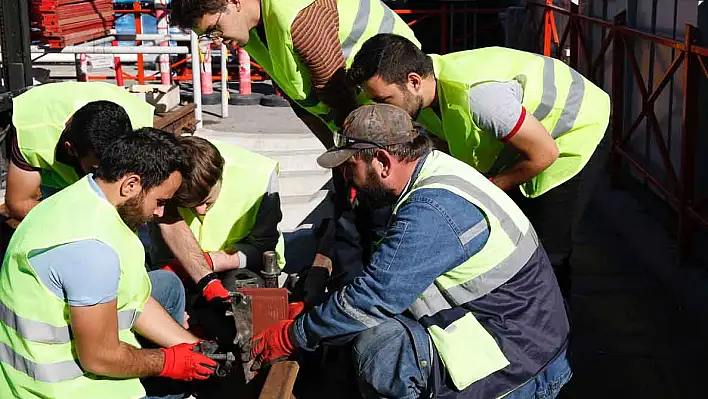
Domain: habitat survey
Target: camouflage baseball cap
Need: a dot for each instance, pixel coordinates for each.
(369, 126)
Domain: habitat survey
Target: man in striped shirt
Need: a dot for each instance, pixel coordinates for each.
(305, 47)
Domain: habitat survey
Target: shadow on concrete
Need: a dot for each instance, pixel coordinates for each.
(634, 334)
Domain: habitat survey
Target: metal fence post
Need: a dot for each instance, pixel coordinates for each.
(689, 131)
(618, 69)
(574, 45)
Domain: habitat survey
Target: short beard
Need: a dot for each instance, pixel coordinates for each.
(131, 212)
(413, 102)
(376, 195)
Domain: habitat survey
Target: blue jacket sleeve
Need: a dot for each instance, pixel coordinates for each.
(421, 243)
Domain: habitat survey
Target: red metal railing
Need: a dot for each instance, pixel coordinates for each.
(678, 188)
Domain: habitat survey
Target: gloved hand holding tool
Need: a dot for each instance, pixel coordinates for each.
(274, 343)
(183, 363)
(211, 287)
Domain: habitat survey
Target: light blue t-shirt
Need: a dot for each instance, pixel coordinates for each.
(82, 273)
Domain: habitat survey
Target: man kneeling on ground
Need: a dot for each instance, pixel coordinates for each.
(459, 299)
(74, 289)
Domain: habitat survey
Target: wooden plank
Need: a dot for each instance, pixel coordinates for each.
(175, 121)
(280, 381)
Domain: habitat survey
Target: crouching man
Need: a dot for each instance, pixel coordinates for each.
(228, 215)
(74, 289)
(59, 133)
(459, 299)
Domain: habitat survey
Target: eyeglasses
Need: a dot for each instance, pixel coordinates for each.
(342, 141)
(213, 31)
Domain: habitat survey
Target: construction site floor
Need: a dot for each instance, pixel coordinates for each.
(631, 337)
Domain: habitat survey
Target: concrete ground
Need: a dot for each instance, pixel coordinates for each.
(631, 337)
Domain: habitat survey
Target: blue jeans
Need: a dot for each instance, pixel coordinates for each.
(548, 383)
(167, 289)
(393, 360)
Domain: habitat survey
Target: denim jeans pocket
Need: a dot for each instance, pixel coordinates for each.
(553, 378)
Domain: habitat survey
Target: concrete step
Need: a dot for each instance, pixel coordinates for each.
(297, 208)
(303, 182)
(259, 142)
(295, 160)
(301, 179)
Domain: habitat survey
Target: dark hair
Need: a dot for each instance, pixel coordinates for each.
(150, 153)
(206, 168)
(185, 13)
(95, 126)
(391, 57)
(405, 152)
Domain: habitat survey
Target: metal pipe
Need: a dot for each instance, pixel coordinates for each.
(139, 30)
(153, 37)
(118, 67)
(121, 50)
(224, 82)
(102, 40)
(163, 29)
(196, 80)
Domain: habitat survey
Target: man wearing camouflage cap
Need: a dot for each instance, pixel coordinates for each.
(459, 299)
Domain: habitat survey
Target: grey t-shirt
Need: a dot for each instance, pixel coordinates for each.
(496, 108)
(82, 273)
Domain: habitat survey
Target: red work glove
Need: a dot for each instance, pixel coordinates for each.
(215, 290)
(181, 363)
(295, 309)
(272, 344)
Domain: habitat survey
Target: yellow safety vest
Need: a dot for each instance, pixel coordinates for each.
(359, 20)
(40, 115)
(467, 350)
(570, 107)
(232, 217)
(37, 353)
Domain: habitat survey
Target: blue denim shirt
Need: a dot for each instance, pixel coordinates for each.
(421, 243)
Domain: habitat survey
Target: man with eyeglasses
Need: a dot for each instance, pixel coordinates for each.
(305, 46)
(459, 299)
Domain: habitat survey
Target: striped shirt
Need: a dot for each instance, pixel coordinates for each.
(315, 35)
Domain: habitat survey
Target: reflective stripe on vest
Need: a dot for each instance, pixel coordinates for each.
(550, 94)
(280, 61)
(434, 300)
(38, 354)
(52, 372)
(37, 331)
(511, 243)
(573, 110)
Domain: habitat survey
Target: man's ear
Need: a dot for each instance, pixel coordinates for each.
(130, 186)
(415, 81)
(69, 148)
(385, 160)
